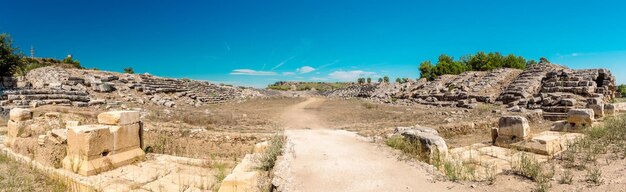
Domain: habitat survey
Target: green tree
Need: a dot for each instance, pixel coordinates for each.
(426, 70)
(622, 90)
(129, 70)
(386, 79)
(398, 80)
(75, 63)
(380, 80)
(369, 80)
(361, 80)
(543, 60)
(10, 57)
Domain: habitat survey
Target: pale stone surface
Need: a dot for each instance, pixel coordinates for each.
(19, 128)
(69, 124)
(20, 114)
(243, 181)
(513, 127)
(93, 149)
(598, 110)
(580, 117)
(58, 135)
(119, 117)
(90, 141)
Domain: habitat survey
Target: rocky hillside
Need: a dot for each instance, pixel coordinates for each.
(80, 88)
(553, 88)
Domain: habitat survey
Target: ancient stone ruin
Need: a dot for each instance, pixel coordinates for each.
(552, 88)
(82, 88)
(115, 142)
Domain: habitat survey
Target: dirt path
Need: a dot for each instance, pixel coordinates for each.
(336, 160)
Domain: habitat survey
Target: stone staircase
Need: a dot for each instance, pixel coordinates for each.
(37, 97)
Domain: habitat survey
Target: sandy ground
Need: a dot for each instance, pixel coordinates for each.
(338, 160)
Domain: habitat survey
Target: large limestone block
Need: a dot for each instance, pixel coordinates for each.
(78, 164)
(126, 136)
(90, 141)
(119, 117)
(430, 143)
(580, 117)
(241, 181)
(598, 110)
(513, 127)
(609, 109)
(19, 128)
(19, 114)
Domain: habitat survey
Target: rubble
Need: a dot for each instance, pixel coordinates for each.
(81, 88)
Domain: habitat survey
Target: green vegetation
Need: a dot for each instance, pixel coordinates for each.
(10, 57)
(275, 148)
(129, 70)
(361, 80)
(305, 86)
(622, 90)
(481, 61)
(13, 62)
(75, 63)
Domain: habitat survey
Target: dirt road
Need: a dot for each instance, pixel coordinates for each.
(324, 159)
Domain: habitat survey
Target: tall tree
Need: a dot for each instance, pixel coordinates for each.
(426, 70)
(10, 57)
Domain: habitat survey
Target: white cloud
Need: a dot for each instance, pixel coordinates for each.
(305, 69)
(328, 64)
(251, 72)
(318, 79)
(289, 73)
(350, 75)
(283, 62)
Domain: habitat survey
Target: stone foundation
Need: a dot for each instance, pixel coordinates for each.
(92, 149)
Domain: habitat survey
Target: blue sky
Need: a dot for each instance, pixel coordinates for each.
(255, 43)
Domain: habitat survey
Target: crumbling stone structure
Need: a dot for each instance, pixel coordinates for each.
(115, 142)
(18, 125)
(78, 87)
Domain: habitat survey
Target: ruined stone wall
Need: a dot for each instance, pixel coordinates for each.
(528, 84)
(77, 87)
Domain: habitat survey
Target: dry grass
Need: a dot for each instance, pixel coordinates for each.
(17, 177)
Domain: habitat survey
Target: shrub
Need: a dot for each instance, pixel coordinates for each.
(129, 70)
(275, 149)
(10, 57)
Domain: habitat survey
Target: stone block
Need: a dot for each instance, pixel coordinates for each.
(242, 181)
(580, 117)
(20, 114)
(609, 109)
(598, 110)
(78, 164)
(513, 127)
(58, 136)
(19, 128)
(90, 141)
(126, 137)
(69, 124)
(119, 117)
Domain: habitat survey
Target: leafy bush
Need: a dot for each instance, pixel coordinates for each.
(275, 149)
(481, 61)
(129, 70)
(10, 57)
